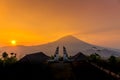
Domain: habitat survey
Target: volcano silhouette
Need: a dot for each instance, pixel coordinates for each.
(73, 45)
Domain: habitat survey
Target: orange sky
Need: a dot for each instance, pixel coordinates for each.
(32, 22)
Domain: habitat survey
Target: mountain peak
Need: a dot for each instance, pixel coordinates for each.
(69, 38)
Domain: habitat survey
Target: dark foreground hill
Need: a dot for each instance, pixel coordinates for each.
(27, 69)
(54, 71)
(30, 67)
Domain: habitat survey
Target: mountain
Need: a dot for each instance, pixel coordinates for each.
(72, 44)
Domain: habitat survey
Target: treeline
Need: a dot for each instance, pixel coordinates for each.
(7, 59)
(12, 69)
(112, 63)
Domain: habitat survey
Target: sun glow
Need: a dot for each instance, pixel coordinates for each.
(13, 42)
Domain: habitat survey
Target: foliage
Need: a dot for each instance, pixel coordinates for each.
(112, 60)
(112, 63)
(6, 60)
(4, 55)
(60, 58)
(95, 57)
(52, 57)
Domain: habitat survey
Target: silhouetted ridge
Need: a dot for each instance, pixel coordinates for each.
(79, 57)
(34, 58)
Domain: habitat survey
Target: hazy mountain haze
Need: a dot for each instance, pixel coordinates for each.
(72, 44)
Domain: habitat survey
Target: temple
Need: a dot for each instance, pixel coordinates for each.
(65, 55)
(56, 55)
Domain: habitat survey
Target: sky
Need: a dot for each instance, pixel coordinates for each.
(33, 22)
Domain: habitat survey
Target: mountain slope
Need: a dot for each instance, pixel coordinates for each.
(72, 44)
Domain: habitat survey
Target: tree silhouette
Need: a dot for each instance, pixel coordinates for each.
(12, 54)
(52, 57)
(60, 58)
(112, 60)
(4, 55)
(6, 60)
(12, 59)
(1, 62)
(95, 57)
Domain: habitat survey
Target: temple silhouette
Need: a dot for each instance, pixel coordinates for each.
(56, 56)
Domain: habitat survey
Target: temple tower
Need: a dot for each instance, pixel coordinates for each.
(65, 55)
(56, 55)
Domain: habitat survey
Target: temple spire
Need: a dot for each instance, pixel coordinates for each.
(65, 55)
(56, 55)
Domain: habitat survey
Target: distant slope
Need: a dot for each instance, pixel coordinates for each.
(72, 44)
(105, 53)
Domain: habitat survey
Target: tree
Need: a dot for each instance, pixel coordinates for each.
(112, 60)
(8, 60)
(4, 55)
(60, 58)
(95, 57)
(1, 62)
(52, 57)
(12, 59)
(12, 54)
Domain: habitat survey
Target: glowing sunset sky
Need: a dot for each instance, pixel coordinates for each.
(32, 22)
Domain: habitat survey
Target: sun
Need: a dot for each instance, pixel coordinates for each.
(13, 42)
